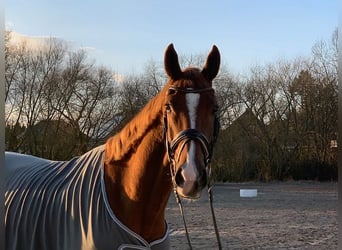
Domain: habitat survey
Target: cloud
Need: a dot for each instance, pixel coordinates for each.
(32, 42)
(39, 43)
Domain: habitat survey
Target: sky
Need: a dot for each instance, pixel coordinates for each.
(126, 35)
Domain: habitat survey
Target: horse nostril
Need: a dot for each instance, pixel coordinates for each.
(179, 178)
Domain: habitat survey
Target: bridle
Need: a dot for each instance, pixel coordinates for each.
(190, 134)
(180, 140)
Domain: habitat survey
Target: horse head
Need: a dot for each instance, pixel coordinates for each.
(190, 121)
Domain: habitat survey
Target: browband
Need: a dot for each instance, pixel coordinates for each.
(191, 90)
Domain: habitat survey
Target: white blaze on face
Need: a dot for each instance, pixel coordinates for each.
(190, 171)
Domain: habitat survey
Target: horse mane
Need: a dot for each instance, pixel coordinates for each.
(119, 146)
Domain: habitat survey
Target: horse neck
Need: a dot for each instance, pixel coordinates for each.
(137, 175)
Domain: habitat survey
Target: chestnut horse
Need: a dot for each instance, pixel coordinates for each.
(127, 181)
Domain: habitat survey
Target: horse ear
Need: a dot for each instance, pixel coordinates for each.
(171, 63)
(212, 64)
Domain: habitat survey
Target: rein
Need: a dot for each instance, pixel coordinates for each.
(182, 139)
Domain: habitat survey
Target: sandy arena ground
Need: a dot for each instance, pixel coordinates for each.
(284, 215)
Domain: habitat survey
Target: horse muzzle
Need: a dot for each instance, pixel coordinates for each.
(189, 181)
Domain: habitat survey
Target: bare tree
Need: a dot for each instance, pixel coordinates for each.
(227, 88)
(27, 74)
(50, 93)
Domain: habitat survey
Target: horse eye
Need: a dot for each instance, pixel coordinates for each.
(172, 91)
(168, 107)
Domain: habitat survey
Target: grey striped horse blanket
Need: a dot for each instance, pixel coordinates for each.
(63, 205)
